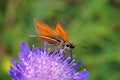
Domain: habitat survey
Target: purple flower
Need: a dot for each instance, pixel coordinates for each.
(40, 64)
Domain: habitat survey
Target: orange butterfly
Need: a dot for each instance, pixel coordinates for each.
(56, 36)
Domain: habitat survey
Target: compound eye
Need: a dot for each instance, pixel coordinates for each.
(67, 45)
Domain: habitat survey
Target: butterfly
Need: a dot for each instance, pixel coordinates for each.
(56, 36)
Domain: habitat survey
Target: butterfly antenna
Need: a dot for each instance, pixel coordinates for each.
(84, 47)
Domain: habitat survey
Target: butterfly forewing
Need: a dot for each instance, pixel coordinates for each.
(43, 29)
(46, 33)
(58, 28)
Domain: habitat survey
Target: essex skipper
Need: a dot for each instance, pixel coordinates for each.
(56, 36)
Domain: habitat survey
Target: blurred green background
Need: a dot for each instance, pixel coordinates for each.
(91, 23)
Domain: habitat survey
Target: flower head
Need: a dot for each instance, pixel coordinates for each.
(39, 64)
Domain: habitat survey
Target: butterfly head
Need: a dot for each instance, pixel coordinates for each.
(68, 46)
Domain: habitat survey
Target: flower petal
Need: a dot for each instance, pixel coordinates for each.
(25, 48)
(19, 66)
(15, 74)
(82, 75)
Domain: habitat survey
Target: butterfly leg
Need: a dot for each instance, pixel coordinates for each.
(71, 53)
